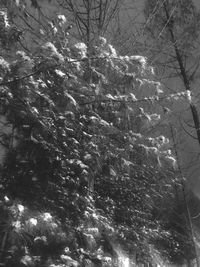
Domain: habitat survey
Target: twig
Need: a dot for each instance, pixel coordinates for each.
(20, 78)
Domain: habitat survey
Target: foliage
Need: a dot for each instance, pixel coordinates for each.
(79, 155)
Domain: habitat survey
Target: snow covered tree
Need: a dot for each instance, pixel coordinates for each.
(86, 157)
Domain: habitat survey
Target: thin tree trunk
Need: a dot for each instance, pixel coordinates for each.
(88, 38)
(185, 201)
(3, 244)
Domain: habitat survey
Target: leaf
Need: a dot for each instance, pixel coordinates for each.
(104, 123)
(79, 163)
(133, 98)
(73, 101)
(109, 96)
(60, 73)
(112, 172)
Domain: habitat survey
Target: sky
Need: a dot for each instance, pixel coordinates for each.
(197, 3)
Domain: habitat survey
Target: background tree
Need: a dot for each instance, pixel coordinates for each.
(173, 30)
(93, 18)
(175, 50)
